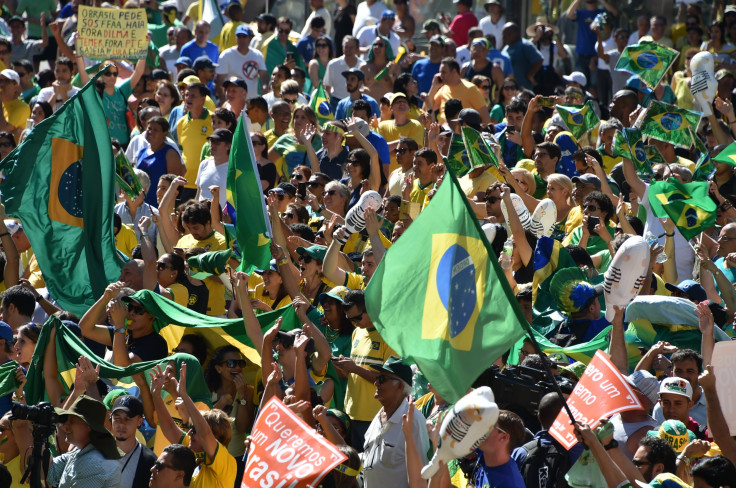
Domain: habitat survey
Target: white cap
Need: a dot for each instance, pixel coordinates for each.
(676, 386)
(576, 77)
(10, 75)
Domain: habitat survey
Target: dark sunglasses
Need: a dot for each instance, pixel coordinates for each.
(297, 176)
(355, 319)
(329, 192)
(485, 87)
(290, 102)
(257, 142)
(321, 45)
(158, 465)
(510, 87)
(379, 44)
(312, 184)
(160, 266)
(136, 309)
(382, 378)
(110, 73)
(306, 259)
(284, 31)
(288, 215)
(234, 363)
(401, 150)
(6, 144)
(492, 200)
(591, 208)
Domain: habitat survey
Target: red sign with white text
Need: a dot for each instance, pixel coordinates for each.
(285, 452)
(601, 392)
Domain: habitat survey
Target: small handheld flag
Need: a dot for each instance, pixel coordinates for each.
(669, 123)
(579, 119)
(321, 105)
(648, 60)
(688, 204)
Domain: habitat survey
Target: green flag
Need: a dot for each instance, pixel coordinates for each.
(126, 178)
(688, 204)
(457, 159)
(704, 166)
(628, 144)
(479, 152)
(648, 60)
(669, 123)
(321, 105)
(60, 182)
(727, 155)
(445, 305)
(653, 154)
(582, 352)
(244, 192)
(579, 119)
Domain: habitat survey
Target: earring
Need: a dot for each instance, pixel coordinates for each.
(172, 275)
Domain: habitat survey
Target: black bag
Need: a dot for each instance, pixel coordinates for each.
(545, 465)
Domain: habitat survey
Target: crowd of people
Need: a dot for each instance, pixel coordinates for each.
(398, 94)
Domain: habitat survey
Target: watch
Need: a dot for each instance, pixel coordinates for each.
(120, 330)
(243, 402)
(611, 445)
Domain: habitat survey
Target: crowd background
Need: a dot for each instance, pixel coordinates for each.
(344, 99)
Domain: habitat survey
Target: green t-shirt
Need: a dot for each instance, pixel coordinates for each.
(115, 106)
(33, 9)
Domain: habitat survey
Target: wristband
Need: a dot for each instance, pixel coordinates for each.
(283, 261)
(683, 458)
(145, 234)
(39, 298)
(120, 330)
(611, 445)
(5, 234)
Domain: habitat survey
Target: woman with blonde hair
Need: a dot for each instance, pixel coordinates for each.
(559, 190)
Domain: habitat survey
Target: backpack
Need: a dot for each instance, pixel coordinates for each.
(545, 465)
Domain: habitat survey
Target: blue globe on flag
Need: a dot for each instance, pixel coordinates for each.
(671, 121)
(647, 60)
(456, 287)
(577, 118)
(324, 109)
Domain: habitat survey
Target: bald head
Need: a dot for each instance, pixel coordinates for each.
(132, 274)
(511, 33)
(624, 102)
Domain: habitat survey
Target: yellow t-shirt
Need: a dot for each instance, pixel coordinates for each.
(368, 349)
(160, 440)
(193, 12)
(418, 193)
(213, 242)
(16, 112)
(216, 300)
(219, 472)
(180, 294)
(465, 91)
(192, 134)
(35, 277)
(574, 219)
(392, 132)
(14, 469)
(125, 240)
(227, 38)
(259, 293)
(271, 137)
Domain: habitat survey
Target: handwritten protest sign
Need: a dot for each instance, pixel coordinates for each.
(601, 392)
(109, 33)
(724, 366)
(285, 451)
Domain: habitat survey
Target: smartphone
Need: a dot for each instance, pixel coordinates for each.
(510, 128)
(592, 222)
(289, 56)
(547, 101)
(301, 190)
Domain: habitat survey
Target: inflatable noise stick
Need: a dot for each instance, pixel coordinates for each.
(355, 219)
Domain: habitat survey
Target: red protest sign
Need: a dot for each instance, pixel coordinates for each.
(285, 452)
(601, 392)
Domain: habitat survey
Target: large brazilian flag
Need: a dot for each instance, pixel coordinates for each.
(439, 297)
(60, 182)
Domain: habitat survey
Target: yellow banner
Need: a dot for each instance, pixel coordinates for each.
(109, 33)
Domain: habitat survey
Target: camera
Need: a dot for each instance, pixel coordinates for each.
(41, 414)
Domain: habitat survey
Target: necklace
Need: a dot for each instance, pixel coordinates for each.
(331, 334)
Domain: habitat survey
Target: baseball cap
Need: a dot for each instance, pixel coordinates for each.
(315, 252)
(730, 9)
(646, 383)
(272, 266)
(470, 117)
(234, 80)
(6, 332)
(203, 62)
(388, 14)
(189, 80)
(691, 288)
(13, 226)
(429, 25)
(396, 96)
(676, 386)
(575, 369)
(287, 188)
(722, 73)
(438, 39)
(11, 75)
(395, 366)
(675, 433)
(635, 83)
(576, 77)
(185, 60)
(244, 29)
(354, 71)
(338, 293)
(128, 404)
(16, 18)
(223, 135)
(588, 179)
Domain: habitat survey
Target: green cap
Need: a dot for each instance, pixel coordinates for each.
(315, 252)
(209, 263)
(675, 433)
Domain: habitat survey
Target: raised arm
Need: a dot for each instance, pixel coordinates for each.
(706, 324)
(170, 429)
(617, 348)
(373, 228)
(11, 271)
(330, 268)
(252, 326)
(150, 274)
(374, 179)
(636, 183)
(200, 425)
(90, 330)
(571, 11)
(517, 230)
(527, 140)
(717, 424)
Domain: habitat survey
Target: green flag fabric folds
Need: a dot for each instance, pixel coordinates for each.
(60, 182)
(579, 119)
(445, 305)
(457, 160)
(648, 60)
(126, 178)
(627, 143)
(244, 192)
(727, 155)
(480, 154)
(704, 166)
(321, 105)
(688, 204)
(669, 123)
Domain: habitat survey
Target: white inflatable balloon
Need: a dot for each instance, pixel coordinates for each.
(464, 428)
(626, 274)
(355, 219)
(490, 231)
(544, 218)
(703, 84)
(521, 211)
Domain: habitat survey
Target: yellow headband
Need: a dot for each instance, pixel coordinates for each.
(334, 128)
(347, 470)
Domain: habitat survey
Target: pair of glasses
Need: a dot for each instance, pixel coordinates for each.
(158, 465)
(313, 184)
(329, 192)
(379, 44)
(289, 101)
(305, 259)
(355, 319)
(6, 144)
(485, 87)
(258, 142)
(162, 266)
(510, 87)
(591, 208)
(321, 45)
(234, 363)
(297, 176)
(401, 150)
(352, 161)
(492, 200)
(639, 464)
(284, 31)
(382, 378)
(288, 215)
(110, 73)
(136, 309)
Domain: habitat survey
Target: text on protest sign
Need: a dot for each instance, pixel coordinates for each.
(109, 33)
(285, 452)
(601, 392)
(724, 367)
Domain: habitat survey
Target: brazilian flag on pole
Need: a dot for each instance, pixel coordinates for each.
(60, 183)
(628, 144)
(457, 160)
(321, 105)
(579, 119)
(445, 306)
(244, 192)
(669, 123)
(126, 178)
(648, 60)
(727, 155)
(688, 204)
(479, 152)
(704, 166)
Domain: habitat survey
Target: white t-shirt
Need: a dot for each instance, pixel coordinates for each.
(246, 66)
(364, 11)
(369, 33)
(48, 95)
(462, 55)
(489, 27)
(608, 45)
(334, 78)
(322, 12)
(210, 174)
(169, 53)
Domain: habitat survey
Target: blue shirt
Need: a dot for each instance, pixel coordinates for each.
(585, 42)
(496, 56)
(305, 46)
(345, 107)
(523, 55)
(332, 167)
(193, 51)
(505, 476)
(378, 142)
(423, 71)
